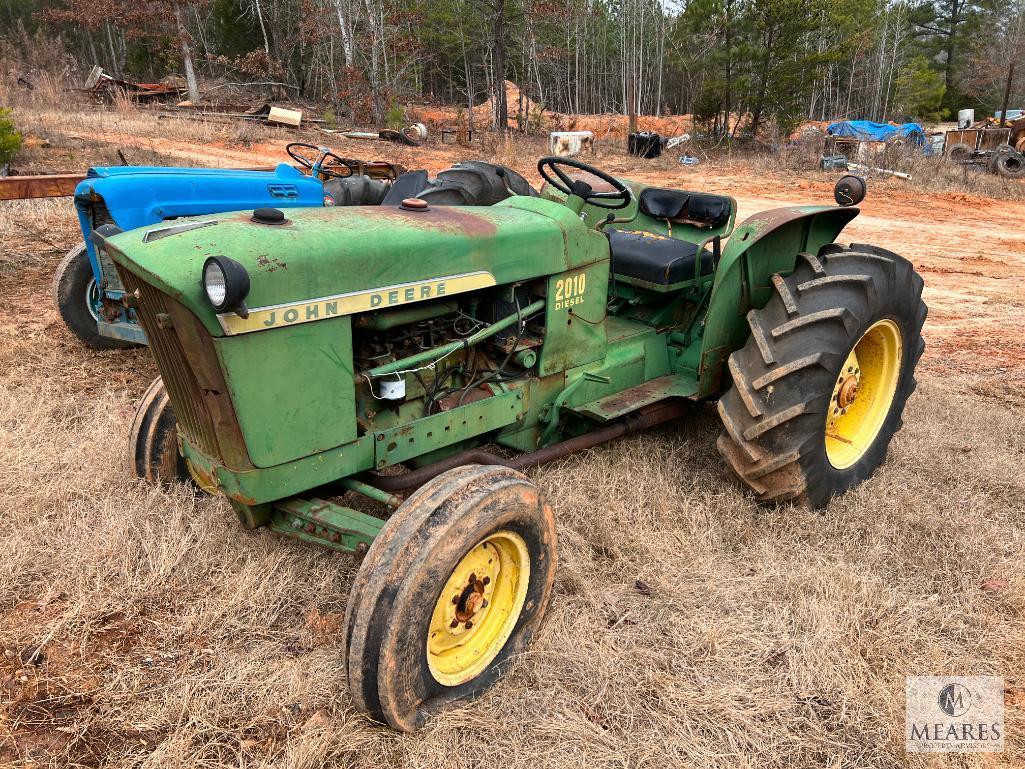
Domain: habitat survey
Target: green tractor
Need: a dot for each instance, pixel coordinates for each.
(314, 357)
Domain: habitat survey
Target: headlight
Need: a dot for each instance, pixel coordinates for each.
(226, 284)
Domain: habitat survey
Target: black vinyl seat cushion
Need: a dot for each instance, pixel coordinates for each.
(655, 258)
(699, 208)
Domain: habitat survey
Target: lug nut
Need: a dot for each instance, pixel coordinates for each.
(455, 623)
(469, 624)
(486, 580)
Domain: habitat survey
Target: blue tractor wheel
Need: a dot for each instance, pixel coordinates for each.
(77, 298)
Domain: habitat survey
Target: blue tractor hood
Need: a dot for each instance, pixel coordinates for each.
(136, 196)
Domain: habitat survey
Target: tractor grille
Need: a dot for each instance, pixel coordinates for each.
(186, 395)
(99, 214)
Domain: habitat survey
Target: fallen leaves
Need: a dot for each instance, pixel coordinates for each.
(324, 628)
(993, 584)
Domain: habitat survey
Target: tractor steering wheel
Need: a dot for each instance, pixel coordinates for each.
(619, 196)
(318, 163)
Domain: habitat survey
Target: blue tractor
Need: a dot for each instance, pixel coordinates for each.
(86, 288)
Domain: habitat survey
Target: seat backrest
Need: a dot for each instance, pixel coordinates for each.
(700, 209)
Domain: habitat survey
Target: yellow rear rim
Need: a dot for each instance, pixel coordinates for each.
(863, 394)
(478, 608)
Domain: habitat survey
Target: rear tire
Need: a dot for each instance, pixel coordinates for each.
(73, 288)
(791, 376)
(405, 658)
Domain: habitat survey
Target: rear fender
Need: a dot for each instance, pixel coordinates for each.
(765, 244)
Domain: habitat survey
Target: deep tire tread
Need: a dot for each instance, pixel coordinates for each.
(773, 415)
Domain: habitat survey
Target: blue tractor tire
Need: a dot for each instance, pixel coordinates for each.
(75, 294)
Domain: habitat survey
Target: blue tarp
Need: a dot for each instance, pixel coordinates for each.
(867, 131)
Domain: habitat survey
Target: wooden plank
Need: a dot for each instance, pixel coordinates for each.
(47, 186)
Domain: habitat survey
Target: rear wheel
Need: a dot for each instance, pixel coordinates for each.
(453, 587)
(76, 294)
(819, 388)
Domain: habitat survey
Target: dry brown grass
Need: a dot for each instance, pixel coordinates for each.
(771, 637)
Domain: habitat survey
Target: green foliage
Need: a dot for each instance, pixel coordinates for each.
(395, 118)
(919, 91)
(10, 139)
(329, 117)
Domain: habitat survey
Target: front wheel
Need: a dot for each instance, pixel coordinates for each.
(76, 295)
(453, 587)
(153, 443)
(819, 389)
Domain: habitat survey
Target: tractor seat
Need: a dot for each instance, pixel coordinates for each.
(656, 259)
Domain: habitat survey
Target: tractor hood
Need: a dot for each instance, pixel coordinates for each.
(363, 257)
(104, 172)
(136, 196)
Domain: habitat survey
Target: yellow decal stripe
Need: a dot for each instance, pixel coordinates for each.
(276, 316)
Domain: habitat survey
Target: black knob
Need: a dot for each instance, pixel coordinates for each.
(269, 216)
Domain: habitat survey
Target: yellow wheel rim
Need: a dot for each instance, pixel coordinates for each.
(478, 608)
(863, 394)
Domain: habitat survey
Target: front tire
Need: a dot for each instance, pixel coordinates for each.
(453, 587)
(153, 442)
(820, 387)
(74, 290)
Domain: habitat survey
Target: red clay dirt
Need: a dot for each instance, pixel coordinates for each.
(970, 249)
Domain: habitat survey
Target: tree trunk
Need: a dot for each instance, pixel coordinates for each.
(346, 32)
(501, 108)
(263, 28)
(950, 48)
(190, 73)
(375, 69)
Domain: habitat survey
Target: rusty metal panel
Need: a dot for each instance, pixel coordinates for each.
(633, 398)
(991, 138)
(446, 428)
(47, 186)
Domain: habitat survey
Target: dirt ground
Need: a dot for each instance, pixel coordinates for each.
(766, 637)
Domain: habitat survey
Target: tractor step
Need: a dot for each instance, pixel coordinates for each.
(325, 523)
(622, 403)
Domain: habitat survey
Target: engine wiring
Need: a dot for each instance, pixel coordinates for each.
(463, 325)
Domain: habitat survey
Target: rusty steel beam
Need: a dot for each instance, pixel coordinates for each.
(58, 185)
(642, 419)
(47, 186)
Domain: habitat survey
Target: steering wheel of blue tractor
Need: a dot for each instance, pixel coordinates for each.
(551, 170)
(320, 161)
